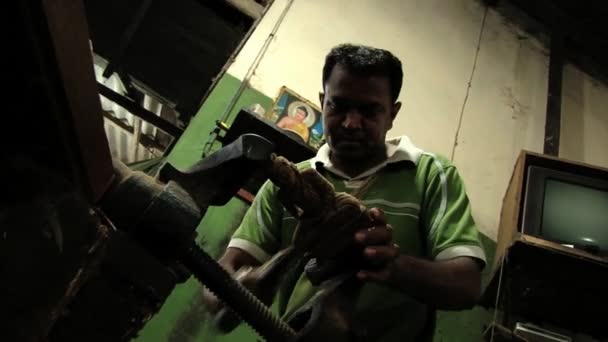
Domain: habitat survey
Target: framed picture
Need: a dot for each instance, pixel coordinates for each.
(294, 113)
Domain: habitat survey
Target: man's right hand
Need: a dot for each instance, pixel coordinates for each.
(212, 303)
(224, 319)
(232, 260)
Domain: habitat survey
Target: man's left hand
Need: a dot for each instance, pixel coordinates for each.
(379, 251)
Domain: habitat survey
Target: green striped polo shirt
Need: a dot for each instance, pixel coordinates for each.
(423, 199)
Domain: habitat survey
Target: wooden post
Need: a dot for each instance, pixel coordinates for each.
(554, 95)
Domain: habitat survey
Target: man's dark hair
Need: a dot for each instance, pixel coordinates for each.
(366, 61)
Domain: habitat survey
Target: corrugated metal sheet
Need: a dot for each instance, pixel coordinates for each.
(122, 142)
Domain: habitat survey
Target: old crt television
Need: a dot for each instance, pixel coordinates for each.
(569, 208)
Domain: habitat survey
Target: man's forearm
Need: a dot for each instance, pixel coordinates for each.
(448, 285)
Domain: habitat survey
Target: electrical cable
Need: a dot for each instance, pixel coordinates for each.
(466, 96)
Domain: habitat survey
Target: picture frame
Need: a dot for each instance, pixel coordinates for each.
(292, 112)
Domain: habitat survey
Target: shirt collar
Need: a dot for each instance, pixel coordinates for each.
(397, 150)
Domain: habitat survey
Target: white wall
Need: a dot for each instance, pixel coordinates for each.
(505, 113)
(436, 40)
(584, 134)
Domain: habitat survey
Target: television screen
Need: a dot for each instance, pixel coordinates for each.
(575, 214)
(567, 208)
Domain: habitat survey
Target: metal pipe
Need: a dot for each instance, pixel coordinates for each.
(245, 82)
(256, 62)
(139, 111)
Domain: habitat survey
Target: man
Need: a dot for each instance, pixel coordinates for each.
(427, 256)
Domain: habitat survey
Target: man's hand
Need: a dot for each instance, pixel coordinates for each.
(451, 284)
(379, 251)
(232, 260)
(244, 275)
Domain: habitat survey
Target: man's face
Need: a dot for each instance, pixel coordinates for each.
(357, 113)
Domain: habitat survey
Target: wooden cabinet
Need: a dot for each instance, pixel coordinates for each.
(544, 282)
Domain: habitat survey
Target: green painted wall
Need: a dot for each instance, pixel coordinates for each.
(190, 145)
(182, 318)
(467, 325)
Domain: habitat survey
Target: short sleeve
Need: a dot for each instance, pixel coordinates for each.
(447, 215)
(259, 232)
